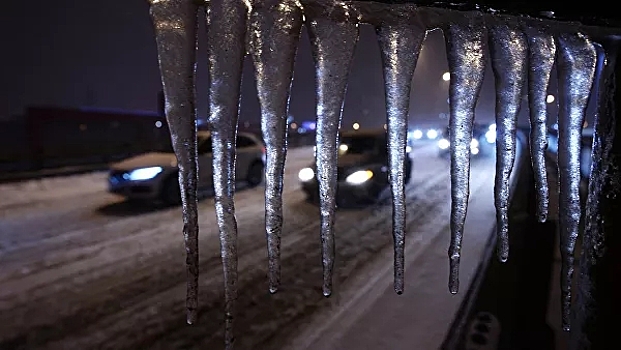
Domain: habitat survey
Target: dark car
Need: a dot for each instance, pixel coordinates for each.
(362, 168)
(482, 144)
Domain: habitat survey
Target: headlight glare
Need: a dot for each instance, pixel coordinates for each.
(306, 174)
(144, 173)
(359, 177)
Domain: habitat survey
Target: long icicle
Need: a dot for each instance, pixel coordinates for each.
(274, 33)
(465, 44)
(577, 58)
(509, 52)
(541, 52)
(400, 46)
(332, 42)
(226, 49)
(175, 23)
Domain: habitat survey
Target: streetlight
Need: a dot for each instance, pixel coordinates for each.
(356, 126)
(446, 76)
(550, 98)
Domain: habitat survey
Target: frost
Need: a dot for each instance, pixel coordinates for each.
(508, 48)
(274, 33)
(400, 46)
(466, 54)
(333, 44)
(576, 65)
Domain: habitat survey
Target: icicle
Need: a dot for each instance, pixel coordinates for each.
(175, 23)
(508, 49)
(542, 51)
(400, 46)
(226, 46)
(332, 42)
(274, 33)
(576, 66)
(466, 59)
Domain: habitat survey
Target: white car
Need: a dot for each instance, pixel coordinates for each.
(154, 175)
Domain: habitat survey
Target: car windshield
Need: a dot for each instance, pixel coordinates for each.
(357, 144)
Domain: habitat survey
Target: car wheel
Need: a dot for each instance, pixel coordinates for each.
(255, 174)
(171, 193)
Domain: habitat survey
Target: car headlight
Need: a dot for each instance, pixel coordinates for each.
(408, 149)
(359, 177)
(444, 144)
(417, 134)
(490, 136)
(144, 173)
(474, 151)
(432, 134)
(474, 143)
(306, 174)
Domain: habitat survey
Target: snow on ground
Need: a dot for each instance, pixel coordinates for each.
(370, 315)
(52, 188)
(86, 270)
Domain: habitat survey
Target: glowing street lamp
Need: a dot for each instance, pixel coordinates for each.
(446, 76)
(356, 126)
(550, 98)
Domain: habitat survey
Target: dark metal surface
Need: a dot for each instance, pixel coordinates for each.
(598, 13)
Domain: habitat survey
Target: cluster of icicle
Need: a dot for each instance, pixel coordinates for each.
(269, 31)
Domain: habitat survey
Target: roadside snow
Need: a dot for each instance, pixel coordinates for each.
(51, 188)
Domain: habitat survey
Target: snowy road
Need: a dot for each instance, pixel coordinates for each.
(80, 269)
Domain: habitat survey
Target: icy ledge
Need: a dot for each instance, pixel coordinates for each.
(269, 30)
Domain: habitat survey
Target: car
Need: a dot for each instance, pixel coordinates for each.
(362, 171)
(154, 176)
(482, 144)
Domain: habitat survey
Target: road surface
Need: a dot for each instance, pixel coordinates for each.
(82, 269)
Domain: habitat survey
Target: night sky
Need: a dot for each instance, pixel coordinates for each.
(101, 53)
